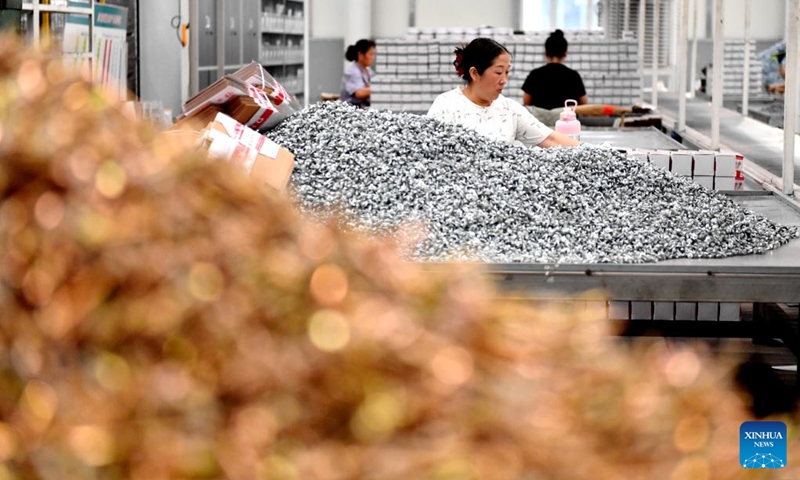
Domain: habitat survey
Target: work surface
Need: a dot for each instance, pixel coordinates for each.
(759, 143)
(770, 277)
(642, 138)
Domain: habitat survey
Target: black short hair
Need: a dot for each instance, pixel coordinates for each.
(556, 45)
(479, 53)
(361, 46)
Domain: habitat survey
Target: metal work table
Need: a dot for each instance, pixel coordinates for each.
(758, 142)
(648, 138)
(770, 277)
(764, 279)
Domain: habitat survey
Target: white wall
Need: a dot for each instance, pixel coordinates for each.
(767, 19)
(466, 13)
(330, 18)
(160, 54)
(389, 18)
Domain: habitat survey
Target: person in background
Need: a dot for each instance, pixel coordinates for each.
(480, 105)
(357, 76)
(550, 85)
(773, 72)
(779, 86)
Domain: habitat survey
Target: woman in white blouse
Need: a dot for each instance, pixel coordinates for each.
(480, 105)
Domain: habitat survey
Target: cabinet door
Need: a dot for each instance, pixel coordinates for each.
(251, 17)
(207, 46)
(233, 33)
(207, 77)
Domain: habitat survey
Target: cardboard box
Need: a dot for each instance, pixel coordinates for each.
(265, 161)
(704, 163)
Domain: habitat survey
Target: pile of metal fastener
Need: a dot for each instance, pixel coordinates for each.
(496, 202)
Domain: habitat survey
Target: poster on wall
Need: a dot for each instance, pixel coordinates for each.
(76, 43)
(102, 49)
(109, 33)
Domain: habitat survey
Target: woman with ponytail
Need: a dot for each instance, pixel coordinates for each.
(550, 85)
(479, 105)
(356, 82)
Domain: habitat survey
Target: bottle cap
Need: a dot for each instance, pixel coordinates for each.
(568, 114)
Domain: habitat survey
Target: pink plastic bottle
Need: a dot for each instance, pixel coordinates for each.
(568, 123)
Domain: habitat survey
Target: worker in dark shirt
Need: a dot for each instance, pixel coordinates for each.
(549, 86)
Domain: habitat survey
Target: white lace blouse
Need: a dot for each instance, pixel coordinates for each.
(503, 120)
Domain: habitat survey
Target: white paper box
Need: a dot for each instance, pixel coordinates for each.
(660, 158)
(618, 310)
(729, 312)
(725, 183)
(638, 155)
(705, 181)
(663, 310)
(726, 164)
(641, 311)
(704, 163)
(682, 163)
(685, 311)
(708, 311)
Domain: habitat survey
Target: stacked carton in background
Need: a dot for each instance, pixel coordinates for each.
(713, 170)
(412, 71)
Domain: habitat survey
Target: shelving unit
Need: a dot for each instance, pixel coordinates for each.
(282, 43)
(52, 15)
(271, 32)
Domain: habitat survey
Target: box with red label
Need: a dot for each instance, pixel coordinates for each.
(251, 95)
(263, 159)
(726, 164)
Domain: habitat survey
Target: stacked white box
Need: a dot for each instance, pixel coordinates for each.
(660, 159)
(729, 312)
(618, 310)
(682, 162)
(663, 311)
(703, 163)
(640, 155)
(708, 311)
(705, 167)
(704, 181)
(728, 172)
(641, 310)
(685, 311)
(611, 66)
(733, 70)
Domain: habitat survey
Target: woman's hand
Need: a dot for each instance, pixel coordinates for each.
(556, 139)
(363, 93)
